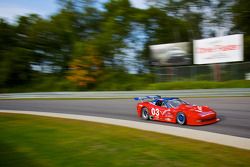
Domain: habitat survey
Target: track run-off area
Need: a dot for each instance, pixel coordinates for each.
(234, 114)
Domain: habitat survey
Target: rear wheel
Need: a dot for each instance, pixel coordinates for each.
(181, 118)
(144, 113)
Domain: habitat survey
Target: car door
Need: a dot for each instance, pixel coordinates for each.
(164, 111)
(169, 113)
(154, 110)
(158, 110)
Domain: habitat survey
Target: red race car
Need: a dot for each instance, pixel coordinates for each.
(175, 110)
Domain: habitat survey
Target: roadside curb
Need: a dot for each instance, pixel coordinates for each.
(227, 140)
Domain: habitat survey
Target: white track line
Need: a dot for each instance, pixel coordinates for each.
(233, 141)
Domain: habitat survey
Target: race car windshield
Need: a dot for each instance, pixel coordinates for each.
(176, 102)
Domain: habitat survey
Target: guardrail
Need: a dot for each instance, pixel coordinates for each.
(130, 94)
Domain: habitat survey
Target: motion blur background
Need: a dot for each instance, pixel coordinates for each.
(72, 45)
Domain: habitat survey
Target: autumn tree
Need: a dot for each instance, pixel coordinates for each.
(86, 67)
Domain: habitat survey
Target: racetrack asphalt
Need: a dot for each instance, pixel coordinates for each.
(234, 112)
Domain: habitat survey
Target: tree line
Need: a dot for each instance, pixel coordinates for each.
(88, 42)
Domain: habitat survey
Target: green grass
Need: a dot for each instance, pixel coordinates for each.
(178, 85)
(119, 81)
(130, 84)
(27, 140)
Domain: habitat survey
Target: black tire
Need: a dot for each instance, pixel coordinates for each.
(144, 113)
(181, 118)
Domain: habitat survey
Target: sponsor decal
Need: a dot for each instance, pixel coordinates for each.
(164, 112)
(218, 48)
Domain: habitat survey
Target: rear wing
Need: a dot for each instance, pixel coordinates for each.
(142, 99)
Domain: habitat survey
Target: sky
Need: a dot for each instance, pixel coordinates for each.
(11, 9)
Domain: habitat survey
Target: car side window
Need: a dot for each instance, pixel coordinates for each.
(158, 103)
(168, 105)
(163, 104)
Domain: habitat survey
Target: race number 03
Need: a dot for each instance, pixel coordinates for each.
(155, 112)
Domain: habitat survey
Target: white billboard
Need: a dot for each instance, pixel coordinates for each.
(218, 50)
(171, 54)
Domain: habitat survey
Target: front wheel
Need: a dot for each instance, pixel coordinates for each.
(144, 113)
(181, 118)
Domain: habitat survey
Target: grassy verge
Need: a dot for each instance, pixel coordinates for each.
(198, 85)
(128, 85)
(27, 140)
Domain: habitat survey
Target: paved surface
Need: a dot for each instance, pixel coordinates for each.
(234, 112)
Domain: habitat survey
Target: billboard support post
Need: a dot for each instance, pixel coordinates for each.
(170, 73)
(217, 72)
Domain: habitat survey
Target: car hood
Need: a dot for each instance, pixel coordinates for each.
(195, 108)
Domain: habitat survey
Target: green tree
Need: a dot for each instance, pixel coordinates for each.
(159, 28)
(84, 38)
(190, 11)
(115, 26)
(7, 41)
(16, 56)
(241, 17)
(15, 68)
(206, 16)
(7, 36)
